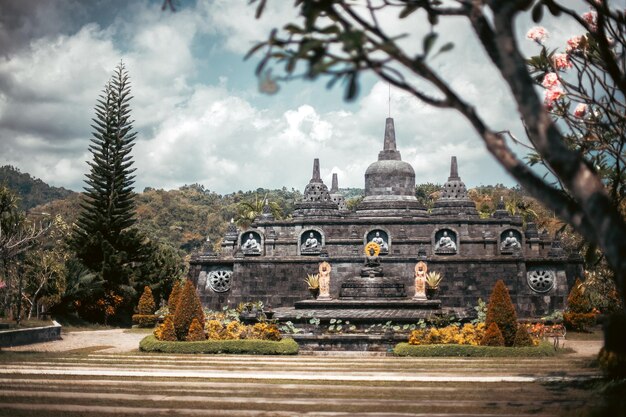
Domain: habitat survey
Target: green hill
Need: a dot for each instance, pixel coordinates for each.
(32, 191)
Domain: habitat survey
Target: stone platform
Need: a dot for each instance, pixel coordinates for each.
(372, 287)
(358, 315)
(369, 304)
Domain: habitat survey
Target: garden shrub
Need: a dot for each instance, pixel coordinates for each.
(145, 320)
(522, 338)
(579, 322)
(146, 304)
(579, 315)
(172, 301)
(214, 329)
(406, 349)
(469, 334)
(493, 336)
(196, 332)
(188, 308)
(247, 346)
(501, 312)
(166, 331)
(265, 331)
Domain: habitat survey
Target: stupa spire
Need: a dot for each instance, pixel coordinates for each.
(454, 170)
(335, 185)
(389, 147)
(316, 171)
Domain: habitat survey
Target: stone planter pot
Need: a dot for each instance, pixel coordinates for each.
(431, 292)
(315, 292)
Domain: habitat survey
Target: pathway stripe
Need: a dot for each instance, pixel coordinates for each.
(244, 413)
(314, 376)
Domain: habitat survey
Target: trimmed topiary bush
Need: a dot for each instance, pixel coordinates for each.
(406, 349)
(579, 316)
(246, 346)
(522, 338)
(187, 309)
(493, 336)
(501, 311)
(146, 304)
(166, 331)
(172, 301)
(196, 332)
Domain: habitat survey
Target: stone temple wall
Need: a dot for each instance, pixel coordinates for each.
(464, 282)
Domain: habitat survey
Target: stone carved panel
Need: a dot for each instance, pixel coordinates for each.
(311, 242)
(219, 281)
(541, 279)
(510, 241)
(251, 243)
(446, 242)
(381, 238)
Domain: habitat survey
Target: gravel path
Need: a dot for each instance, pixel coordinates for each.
(115, 340)
(118, 341)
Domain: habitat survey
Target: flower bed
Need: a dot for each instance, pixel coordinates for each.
(406, 349)
(240, 346)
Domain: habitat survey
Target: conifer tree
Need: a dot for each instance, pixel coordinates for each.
(188, 308)
(501, 311)
(146, 302)
(103, 239)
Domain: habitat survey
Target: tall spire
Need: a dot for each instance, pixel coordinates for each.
(316, 171)
(389, 147)
(454, 170)
(335, 186)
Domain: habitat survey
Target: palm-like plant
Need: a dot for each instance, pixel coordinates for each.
(433, 279)
(247, 211)
(313, 281)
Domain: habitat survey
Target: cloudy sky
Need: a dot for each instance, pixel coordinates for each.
(197, 107)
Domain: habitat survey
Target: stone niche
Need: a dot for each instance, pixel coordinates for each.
(311, 241)
(510, 241)
(381, 238)
(445, 242)
(251, 243)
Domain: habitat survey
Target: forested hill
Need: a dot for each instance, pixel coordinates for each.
(32, 191)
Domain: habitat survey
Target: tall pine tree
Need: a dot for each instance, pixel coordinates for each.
(103, 238)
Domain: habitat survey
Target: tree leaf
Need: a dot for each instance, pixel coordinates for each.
(408, 10)
(429, 41)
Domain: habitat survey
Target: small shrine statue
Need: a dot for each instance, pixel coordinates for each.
(371, 266)
(510, 242)
(380, 242)
(251, 245)
(324, 281)
(420, 281)
(311, 244)
(445, 242)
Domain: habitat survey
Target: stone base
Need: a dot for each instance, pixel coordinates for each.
(371, 287)
(324, 298)
(365, 304)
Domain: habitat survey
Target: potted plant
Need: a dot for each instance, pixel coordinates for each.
(313, 283)
(433, 279)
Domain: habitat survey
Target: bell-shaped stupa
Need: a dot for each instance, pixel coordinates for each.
(390, 183)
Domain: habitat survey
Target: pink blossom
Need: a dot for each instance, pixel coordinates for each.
(551, 96)
(551, 81)
(590, 19)
(537, 34)
(580, 110)
(2, 284)
(573, 43)
(561, 61)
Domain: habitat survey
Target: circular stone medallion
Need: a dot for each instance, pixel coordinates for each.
(541, 280)
(219, 281)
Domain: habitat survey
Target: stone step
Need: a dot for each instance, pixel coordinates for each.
(374, 303)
